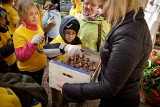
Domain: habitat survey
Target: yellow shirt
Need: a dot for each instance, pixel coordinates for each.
(38, 60)
(75, 10)
(12, 17)
(6, 38)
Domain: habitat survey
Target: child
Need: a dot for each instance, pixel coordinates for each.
(68, 34)
(12, 15)
(7, 55)
(68, 40)
(28, 40)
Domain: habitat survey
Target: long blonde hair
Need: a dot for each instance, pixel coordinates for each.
(115, 10)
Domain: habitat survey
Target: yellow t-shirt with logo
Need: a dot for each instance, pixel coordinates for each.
(20, 38)
(12, 17)
(5, 39)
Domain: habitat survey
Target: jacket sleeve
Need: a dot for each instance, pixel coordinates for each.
(45, 18)
(122, 61)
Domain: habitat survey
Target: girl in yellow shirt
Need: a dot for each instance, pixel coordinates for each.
(28, 39)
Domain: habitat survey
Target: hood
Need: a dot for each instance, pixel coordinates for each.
(77, 2)
(64, 22)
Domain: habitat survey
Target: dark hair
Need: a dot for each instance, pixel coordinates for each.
(4, 1)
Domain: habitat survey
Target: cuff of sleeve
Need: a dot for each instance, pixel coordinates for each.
(61, 47)
(32, 45)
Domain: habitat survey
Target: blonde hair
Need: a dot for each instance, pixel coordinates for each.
(23, 6)
(115, 10)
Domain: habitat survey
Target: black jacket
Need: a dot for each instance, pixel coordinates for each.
(124, 54)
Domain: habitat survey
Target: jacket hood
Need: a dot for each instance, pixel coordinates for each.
(77, 2)
(66, 20)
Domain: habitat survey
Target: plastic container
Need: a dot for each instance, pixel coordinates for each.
(36, 103)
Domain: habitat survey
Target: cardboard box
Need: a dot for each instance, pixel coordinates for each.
(63, 73)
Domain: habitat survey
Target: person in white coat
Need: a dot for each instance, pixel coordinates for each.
(52, 12)
(152, 16)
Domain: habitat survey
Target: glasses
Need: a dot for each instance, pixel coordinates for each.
(100, 6)
(88, 4)
(31, 13)
(69, 33)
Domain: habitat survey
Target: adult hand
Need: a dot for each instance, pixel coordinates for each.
(60, 85)
(73, 50)
(48, 5)
(50, 24)
(37, 39)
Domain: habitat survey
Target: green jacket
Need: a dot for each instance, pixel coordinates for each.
(88, 32)
(25, 88)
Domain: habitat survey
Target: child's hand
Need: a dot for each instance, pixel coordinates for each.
(37, 39)
(73, 50)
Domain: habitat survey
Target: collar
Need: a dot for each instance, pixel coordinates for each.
(30, 26)
(91, 17)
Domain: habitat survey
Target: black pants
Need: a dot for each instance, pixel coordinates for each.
(57, 99)
(37, 76)
(14, 68)
(10, 69)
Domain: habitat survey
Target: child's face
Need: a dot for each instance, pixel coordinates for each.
(2, 21)
(69, 35)
(32, 15)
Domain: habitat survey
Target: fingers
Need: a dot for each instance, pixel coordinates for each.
(74, 50)
(39, 40)
(78, 52)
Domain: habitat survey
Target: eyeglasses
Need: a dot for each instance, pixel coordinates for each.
(100, 6)
(88, 4)
(69, 33)
(3, 13)
(31, 13)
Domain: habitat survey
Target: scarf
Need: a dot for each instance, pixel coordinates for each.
(91, 17)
